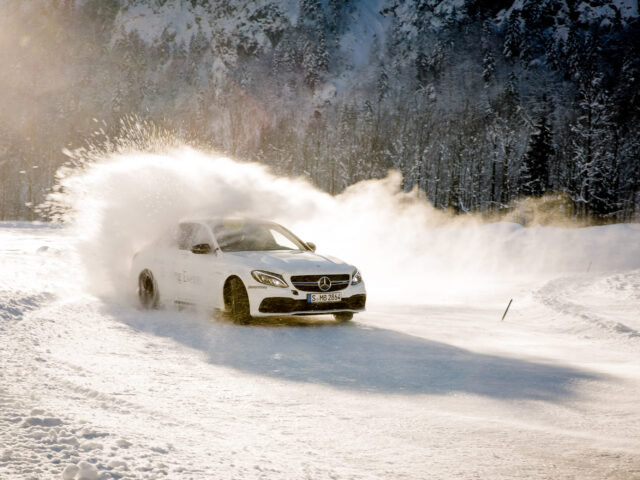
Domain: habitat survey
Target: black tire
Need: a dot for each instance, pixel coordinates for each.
(148, 290)
(343, 316)
(238, 302)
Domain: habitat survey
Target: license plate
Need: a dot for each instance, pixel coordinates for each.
(324, 297)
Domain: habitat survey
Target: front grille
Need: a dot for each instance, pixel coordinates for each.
(309, 283)
(287, 305)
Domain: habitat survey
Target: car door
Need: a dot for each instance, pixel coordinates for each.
(181, 260)
(198, 273)
(164, 264)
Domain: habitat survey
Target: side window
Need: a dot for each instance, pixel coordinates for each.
(200, 235)
(191, 234)
(185, 233)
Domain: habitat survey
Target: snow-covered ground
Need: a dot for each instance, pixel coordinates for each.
(428, 383)
(92, 387)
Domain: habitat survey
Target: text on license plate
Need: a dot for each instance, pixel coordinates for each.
(324, 297)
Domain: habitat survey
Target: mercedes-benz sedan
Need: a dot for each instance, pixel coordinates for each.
(245, 268)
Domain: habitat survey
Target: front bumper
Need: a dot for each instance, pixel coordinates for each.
(274, 301)
(289, 306)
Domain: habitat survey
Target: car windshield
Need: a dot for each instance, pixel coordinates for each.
(244, 236)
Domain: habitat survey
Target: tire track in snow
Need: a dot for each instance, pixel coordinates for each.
(563, 294)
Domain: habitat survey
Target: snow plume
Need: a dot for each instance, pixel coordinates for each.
(407, 250)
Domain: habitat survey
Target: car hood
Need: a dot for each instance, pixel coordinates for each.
(294, 262)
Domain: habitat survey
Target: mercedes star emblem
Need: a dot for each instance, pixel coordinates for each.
(324, 283)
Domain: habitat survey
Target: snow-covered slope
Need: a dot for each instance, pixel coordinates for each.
(253, 27)
(96, 388)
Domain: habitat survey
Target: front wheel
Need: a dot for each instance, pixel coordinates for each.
(238, 302)
(343, 316)
(147, 290)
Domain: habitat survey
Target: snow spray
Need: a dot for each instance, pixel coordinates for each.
(407, 250)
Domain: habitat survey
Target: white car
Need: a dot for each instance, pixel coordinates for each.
(246, 268)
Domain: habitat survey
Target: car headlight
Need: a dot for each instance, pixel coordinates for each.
(356, 277)
(268, 278)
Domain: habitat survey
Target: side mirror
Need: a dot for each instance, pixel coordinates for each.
(201, 248)
(312, 246)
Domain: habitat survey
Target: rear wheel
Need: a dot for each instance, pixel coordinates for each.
(343, 316)
(147, 289)
(238, 302)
